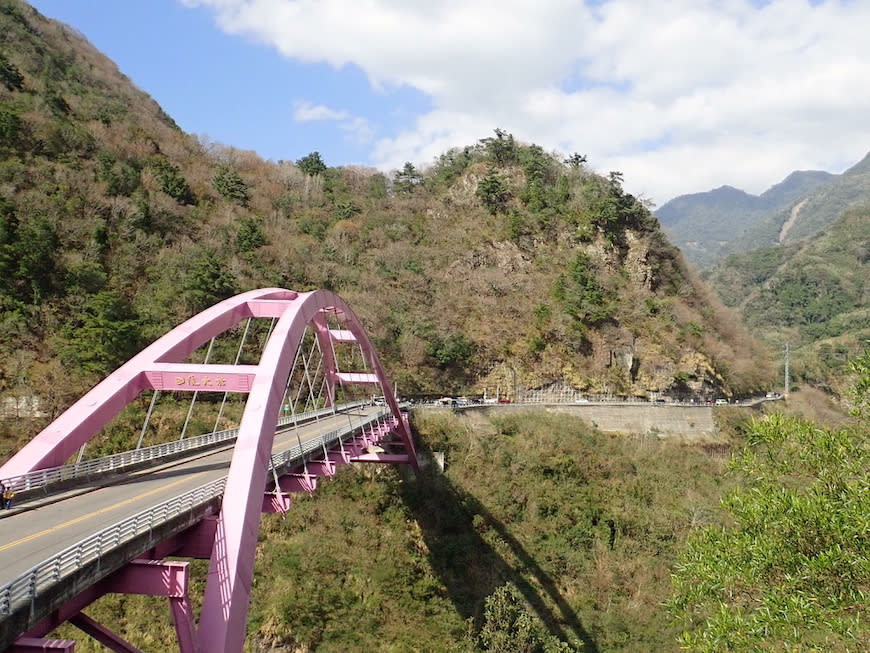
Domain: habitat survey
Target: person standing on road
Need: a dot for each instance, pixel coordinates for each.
(8, 495)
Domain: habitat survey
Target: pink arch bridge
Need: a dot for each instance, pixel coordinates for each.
(229, 537)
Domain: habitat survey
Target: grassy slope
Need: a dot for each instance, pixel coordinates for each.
(585, 525)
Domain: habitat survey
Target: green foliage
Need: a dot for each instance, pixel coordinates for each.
(793, 568)
(455, 351)
(10, 76)
(407, 179)
(207, 281)
(581, 294)
(450, 165)
(346, 210)
(58, 105)
(509, 628)
(517, 225)
(311, 164)
(230, 185)
(502, 150)
(250, 235)
(87, 277)
(32, 247)
(536, 165)
(812, 294)
(492, 189)
(121, 178)
(377, 187)
(12, 128)
(171, 180)
(105, 334)
(809, 297)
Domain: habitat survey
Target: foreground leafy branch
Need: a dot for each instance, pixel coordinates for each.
(793, 568)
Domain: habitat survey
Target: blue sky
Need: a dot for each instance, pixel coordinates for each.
(681, 96)
(235, 90)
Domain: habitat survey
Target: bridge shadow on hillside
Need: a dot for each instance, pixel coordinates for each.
(452, 523)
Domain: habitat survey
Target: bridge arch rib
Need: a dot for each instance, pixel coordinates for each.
(227, 592)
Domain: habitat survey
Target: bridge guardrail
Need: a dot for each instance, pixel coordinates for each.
(89, 469)
(26, 587)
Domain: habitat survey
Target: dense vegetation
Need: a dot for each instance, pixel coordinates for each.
(811, 294)
(498, 265)
(791, 569)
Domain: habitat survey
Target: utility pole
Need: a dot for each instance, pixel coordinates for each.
(787, 381)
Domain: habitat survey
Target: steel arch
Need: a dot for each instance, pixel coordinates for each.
(160, 366)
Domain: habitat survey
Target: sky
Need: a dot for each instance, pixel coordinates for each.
(681, 96)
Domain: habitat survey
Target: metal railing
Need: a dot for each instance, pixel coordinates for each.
(87, 470)
(43, 576)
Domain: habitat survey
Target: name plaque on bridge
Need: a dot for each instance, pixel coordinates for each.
(229, 382)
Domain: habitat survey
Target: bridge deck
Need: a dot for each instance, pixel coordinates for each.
(30, 536)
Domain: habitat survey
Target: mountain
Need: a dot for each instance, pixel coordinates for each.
(815, 210)
(497, 266)
(707, 225)
(812, 294)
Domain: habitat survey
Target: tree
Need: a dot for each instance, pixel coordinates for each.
(576, 160)
(455, 351)
(502, 149)
(581, 294)
(207, 281)
(792, 569)
(106, 333)
(407, 179)
(493, 192)
(10, 76)
(311, 164)
(12, 128)
(230, 185)
(250, 236)
(346, 210)
(171, 180)
(509, 628)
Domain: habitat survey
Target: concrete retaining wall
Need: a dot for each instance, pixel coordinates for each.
(687, 422)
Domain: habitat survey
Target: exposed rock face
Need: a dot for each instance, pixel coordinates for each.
(636, 264)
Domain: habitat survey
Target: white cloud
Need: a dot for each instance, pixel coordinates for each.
(306, 112)
(681, 96)
(357, 129)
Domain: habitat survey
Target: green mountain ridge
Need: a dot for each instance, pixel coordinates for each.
(810, 293)
(812, 213)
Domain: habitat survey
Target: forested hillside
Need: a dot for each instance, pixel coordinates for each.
(812, 294)
(709, 226)
(814, 212)
(500, 264)
(706, 226)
